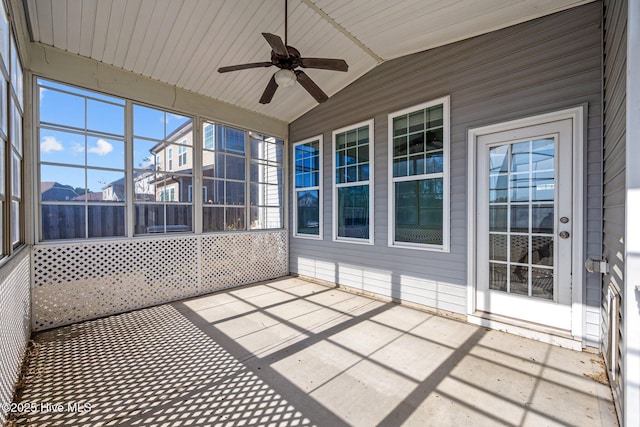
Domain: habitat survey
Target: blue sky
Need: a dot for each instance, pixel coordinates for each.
(103, 146)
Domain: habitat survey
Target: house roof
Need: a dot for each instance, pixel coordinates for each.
(184, 42)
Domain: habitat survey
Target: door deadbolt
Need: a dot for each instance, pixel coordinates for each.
(564, 234)
(564, 220)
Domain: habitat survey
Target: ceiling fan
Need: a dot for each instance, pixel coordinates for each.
(288, 58)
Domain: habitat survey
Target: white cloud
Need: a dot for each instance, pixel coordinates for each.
(43, 90)
(102, 148)
(49, 144)
(77, 148)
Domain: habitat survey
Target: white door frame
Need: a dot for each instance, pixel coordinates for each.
(577, 115)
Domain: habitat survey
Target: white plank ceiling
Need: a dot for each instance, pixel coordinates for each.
(184, 42)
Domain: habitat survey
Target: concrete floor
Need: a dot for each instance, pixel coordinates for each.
(293, 353)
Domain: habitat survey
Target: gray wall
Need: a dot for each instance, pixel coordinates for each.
(539, 66)
(15, 311)
(615, 67)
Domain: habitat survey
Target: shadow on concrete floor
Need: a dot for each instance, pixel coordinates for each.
(293, 353)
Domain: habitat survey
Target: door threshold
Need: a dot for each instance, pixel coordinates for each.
(532, 331)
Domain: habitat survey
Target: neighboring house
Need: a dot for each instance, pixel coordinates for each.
(114, 191)
(54, 191)
(91, 196)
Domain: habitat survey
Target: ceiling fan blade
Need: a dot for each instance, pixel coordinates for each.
(276, 44)
(324, 64)
(244, 66)
(313, 89)
(269, 91)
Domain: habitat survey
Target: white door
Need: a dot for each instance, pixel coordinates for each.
(524, 223)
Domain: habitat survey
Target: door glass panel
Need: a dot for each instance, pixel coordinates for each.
(521, 218)
(498, 277)
(498, 247)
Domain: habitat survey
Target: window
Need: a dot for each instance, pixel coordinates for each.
(353, 183)
(82, 170)
(307, 169)
(204, 193)
(266, 181)
(224, 177)
(161, 200)
(11, 141)
(182, 154)
(88, 191)
(208, 135)
(419, 188)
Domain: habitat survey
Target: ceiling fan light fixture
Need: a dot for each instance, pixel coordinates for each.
(285, 78)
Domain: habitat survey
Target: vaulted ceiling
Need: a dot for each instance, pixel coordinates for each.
(184, 42)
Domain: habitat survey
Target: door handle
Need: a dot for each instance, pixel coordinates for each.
(564, 234)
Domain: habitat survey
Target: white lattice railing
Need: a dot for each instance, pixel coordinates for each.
(14, 324)
(73, 282)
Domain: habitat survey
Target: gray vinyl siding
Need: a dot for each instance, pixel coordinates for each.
(615, 66)
(540, 66)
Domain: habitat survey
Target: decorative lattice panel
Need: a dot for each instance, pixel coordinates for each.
(14, 323)
(76, 282)
(235, 259)
(81, 281)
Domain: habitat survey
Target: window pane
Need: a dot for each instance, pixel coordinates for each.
(59, 183)
(105, 186)
(234, 193)
(62, 147)
(106, 221)
(213, 164)
(16, 176)
(174, 122)
(307, 164)
(108, 153)
(234, 140)
(148, 122)
(419, 211)
(214, 191)
(4, 36)
(148, 155)
(149, 219)
(266, 148)
(63, 222)
(265, 173)
(15, 222)
(179, 218)
(308, 212)
(2, 183)
(4, 119)
(353, 212)
(235, 168)
(266, 195)
(234, 219)
(16, 128)
(105, 117)
(144, 185)
(213, 219)
(178, 186)
(265, 217)
(71, 115)
(16, 72)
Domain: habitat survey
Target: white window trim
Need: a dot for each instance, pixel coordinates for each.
(446, 232)
(335, 185)
(317, 187)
